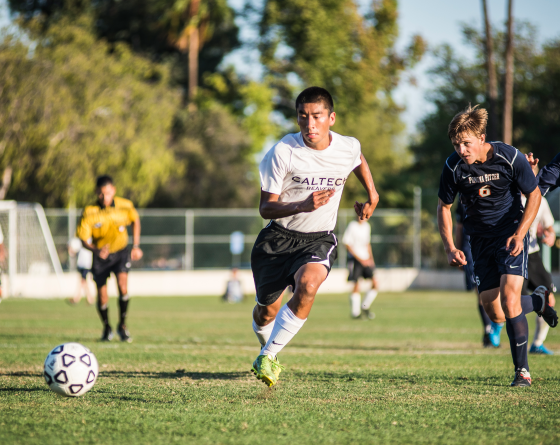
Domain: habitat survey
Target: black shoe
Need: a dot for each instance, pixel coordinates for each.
(486, 341)
(107, 334)
(522, 378)
(547, 313)
(124, 334)
(367, 314)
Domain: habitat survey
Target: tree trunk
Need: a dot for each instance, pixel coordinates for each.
(6, 180)
(492, 86)
(194, 47)
(508, 83)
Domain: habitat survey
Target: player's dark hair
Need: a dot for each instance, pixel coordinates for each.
(103, 180)
(471, 120)
(316, 95)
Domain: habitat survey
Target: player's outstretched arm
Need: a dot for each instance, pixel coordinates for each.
(455, 257)
(271, 208)
(364, 210)
(515, 242)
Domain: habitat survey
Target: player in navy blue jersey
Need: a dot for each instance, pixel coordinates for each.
(490, 176)
(549, 177)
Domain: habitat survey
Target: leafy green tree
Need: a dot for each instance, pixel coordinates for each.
(160, 29)
(74, 108)
(330, 44)
(213, 168)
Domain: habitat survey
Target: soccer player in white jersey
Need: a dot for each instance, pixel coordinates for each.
(357, 239)
(302, 178)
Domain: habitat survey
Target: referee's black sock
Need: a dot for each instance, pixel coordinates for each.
(103, 312)
(123, 306)
(485, 319)
(518, 332)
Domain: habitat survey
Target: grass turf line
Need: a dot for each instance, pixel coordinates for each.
(417, 373)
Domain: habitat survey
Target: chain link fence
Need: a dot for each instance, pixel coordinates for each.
(185, 239)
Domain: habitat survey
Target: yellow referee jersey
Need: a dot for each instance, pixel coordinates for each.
(107, 225)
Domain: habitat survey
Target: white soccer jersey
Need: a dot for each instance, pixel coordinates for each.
(544, 217)
(294, 171)
(358, 237)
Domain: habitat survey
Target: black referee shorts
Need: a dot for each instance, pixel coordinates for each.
(278, 254)
(117, 262)
(538, 275)
(357, 270)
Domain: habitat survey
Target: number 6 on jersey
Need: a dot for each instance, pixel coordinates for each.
(484, 191)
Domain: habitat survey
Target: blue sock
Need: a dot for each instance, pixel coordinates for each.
(518, 332)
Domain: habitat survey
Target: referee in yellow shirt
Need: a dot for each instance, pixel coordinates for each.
(103, 231)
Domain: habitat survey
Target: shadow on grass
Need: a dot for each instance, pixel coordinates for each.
(21, 374)
(180, 373)
(20, 389)
(399, 379)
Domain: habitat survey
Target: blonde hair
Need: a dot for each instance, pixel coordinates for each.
(471, 120)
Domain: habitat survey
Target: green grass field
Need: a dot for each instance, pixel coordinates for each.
(415, 374)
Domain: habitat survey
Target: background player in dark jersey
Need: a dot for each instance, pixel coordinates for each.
(492, 331)
(489, 176)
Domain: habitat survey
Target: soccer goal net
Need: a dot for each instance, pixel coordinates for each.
(31, 266)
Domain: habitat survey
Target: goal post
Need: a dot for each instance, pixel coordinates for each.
(31, 253)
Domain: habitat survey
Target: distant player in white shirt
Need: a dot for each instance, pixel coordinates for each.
(538, 275)
(302, 178)
(357, 239)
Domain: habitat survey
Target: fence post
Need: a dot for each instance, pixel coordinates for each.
(189, 240)
(417, 246)
(72, 234)
(12, 249)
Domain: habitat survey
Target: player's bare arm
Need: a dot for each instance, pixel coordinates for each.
(271, 208)
(515, 242)
(136, 253)
(455, 257)
(363, 173)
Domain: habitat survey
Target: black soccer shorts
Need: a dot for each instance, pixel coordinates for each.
(538, 275)
(117, 262)
(278, 254)
(357, 270)
(491, 260)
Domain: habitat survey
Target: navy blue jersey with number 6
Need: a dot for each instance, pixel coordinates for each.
(549, 176)
(490, 192)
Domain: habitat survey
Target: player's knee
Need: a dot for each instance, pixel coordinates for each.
(307, 287)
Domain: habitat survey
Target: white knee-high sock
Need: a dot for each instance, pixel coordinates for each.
(286, 326)
(355, 299)
(368, 299)
(541, 331)
(263, 332)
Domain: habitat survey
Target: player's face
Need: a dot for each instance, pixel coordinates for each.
(106, 194)
(470, 147)
(314, 121)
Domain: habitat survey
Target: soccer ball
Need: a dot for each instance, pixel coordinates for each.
(71, 369)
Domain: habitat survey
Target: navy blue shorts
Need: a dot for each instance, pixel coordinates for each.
(491, 260)
(470, 281)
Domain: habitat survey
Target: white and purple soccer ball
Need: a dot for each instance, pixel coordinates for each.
(71, 369)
